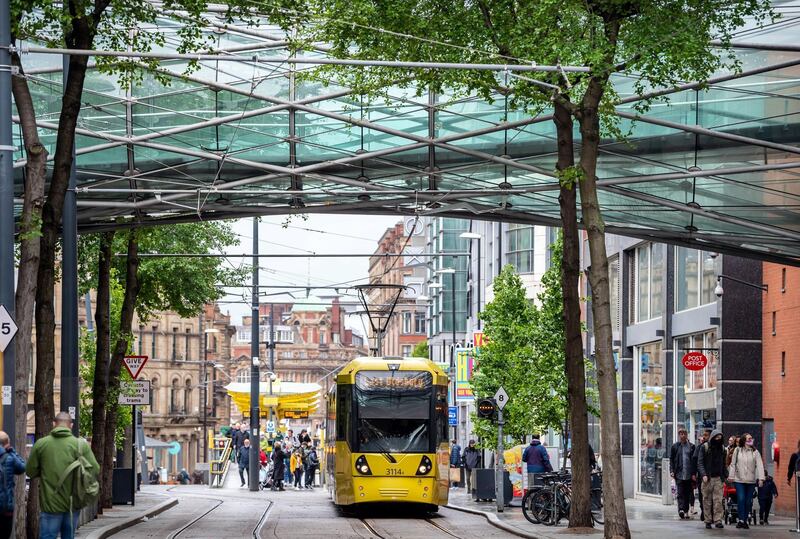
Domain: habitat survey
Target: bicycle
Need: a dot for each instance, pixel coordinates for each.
(538, 506)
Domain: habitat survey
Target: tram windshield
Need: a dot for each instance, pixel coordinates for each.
(394, 411)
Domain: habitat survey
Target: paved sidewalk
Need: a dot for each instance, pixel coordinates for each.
(646, 519)
(147, 501)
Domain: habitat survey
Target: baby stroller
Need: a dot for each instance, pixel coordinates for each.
(265, 476)
(731, 507)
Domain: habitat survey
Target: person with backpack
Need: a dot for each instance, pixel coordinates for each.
(313, 465)
(536, 457)
(747, 472)
(67, 473)
(713, 472)
(11, 464)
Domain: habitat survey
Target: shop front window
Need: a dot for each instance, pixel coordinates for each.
(696, 399)
(651, 417)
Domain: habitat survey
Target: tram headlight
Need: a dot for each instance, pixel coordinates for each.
(362, 467)
(425, 466)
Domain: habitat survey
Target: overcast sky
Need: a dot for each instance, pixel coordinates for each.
(317, 234)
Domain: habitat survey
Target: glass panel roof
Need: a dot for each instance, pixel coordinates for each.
(718, 168)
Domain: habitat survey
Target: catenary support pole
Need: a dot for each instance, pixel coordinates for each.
(271, 357)
(6, 209)
(205, 393)
(499, 464)
(69, 295)
(254, 376)
(480, 285)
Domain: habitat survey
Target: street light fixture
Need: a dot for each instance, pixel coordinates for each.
(478, 237)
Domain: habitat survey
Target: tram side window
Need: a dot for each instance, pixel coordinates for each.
(442, 423)
(343, 412)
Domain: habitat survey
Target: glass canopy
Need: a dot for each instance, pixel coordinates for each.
(715, 168)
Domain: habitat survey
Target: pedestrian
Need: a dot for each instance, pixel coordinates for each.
(536, 457)
(296, 466)
(244, 462)
(183, 477)
(682, 470)
(304, 437)
(11, 464)
(794, 465)
(766, 492)
(67, 472)
(290, 441)
(455, 463)
(313, 465)
(747, 472)
(277, 467)
(236, 440)
(700, 443)
(471, 458)
(711, 467)
(733, 442)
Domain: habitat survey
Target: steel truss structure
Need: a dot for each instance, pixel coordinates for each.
(251, 132)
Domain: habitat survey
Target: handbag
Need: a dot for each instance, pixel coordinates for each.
(455, 475)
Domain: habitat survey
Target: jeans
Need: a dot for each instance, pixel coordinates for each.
(744, 499)
(468, 472)
(6, 525)
(244, 475)
(51, 524)
(311, 472)
(764, 507)
(684, 488)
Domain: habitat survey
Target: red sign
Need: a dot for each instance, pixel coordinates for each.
(478, 339)
(135, 364)
(695, 361)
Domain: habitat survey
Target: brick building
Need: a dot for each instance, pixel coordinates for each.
(781, 374)
(407, 325)
(311, 341)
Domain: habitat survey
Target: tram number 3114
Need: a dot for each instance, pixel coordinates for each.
(394, 471)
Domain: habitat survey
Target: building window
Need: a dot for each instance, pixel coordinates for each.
(141, 340)
(154, 393)
(323, 337)
(520, 247)
(285, 336)
(774, 323)
(651, 417)
(419, 323)
(173, 397)
(174, 344)
(153, 344)
(696, 401)
(613, 286)
(783, 280)
(694, 278)
(186, 343)
(407, 322)
(301, 354)
(287, 355)
(406, 350)
(243, 376)
(187, 396)
(783, 363)
(648, 282)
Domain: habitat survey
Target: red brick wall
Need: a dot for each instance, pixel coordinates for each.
(782, 393)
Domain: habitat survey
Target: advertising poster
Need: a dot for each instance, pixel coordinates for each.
(513, 464)
(464, 364)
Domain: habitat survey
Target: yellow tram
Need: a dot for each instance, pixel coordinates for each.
(386, 433)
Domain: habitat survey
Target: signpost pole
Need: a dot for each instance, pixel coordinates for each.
(133, 455)
(499, 464)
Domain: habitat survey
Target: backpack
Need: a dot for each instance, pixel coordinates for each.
(85, 486)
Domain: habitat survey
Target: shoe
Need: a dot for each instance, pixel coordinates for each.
(242, 484)
(681, 514)
(708, 525)
(740, 524)
(745, 525)
(719, 525)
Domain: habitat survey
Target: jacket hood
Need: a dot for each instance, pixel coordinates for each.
(60, 432)
(536, 442)
(714, 433)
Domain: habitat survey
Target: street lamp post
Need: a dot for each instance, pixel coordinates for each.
(452, 273)
(205, 391)
(255, 412)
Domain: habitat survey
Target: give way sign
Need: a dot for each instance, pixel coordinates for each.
(135, 364)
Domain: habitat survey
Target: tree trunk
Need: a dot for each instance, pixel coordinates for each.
(103, 349)
(29, 229)
(580, 510)
(115, 367)
(51, 222)
(616, 522)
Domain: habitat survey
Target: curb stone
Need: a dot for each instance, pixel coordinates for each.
(496, 522)
(117, 527)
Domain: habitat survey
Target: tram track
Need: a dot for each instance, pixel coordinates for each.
(372, 529)
(182, 531)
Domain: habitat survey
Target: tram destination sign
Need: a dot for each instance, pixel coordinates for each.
(694, 361)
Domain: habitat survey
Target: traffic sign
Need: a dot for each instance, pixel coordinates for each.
(135, 364)
(452, 416)
(8, 328)
(135, 393)
(501, 398)
(270, 427)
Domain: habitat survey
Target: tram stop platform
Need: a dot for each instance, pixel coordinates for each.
(647, 519)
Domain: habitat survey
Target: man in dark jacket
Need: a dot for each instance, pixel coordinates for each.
(236, 440)
(455, 458)
(244, 462)
(10, 465)
(681, 469)
(278, 467)
(536, 457)
(471, 458)
(711, 468)
(312, 464)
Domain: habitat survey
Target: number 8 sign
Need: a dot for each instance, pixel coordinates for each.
(501, 397)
